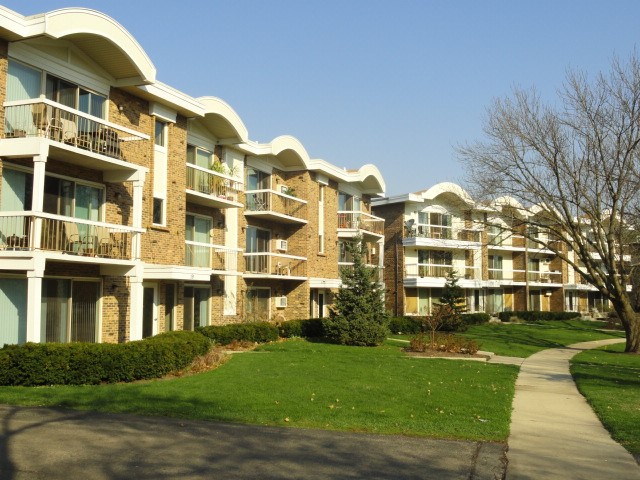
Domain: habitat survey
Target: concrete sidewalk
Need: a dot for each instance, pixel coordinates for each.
(554, 432)
(44, 443)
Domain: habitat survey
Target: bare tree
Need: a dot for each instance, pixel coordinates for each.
(573, 166)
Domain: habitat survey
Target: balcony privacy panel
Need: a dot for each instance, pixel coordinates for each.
(13, 311)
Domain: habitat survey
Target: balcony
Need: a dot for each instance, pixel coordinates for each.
(70, 129)
(544, 277)
(214, 257)
(442, 236)
(29, 232)
(275, 206)
(212, 189)
(351, 223)
(377, 270)
(275, 265)
(422, 270)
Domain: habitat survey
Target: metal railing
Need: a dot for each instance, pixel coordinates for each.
(415, 270)
(445, 233)
(213, 183)
(544, 277)
(266, 200)
(267, 263)
(360, 221)
(55, 233)
(207, 255)
(44, 118)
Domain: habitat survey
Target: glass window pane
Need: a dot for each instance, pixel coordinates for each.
(84, 312)
(159, 134)
(23, 82)
(13, 311)
(203, 158)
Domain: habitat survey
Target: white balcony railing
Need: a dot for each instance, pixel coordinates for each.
(215, 257)
(376, 269)
(267, 263)
(43, 118)
(217, 184)
(441, 232)
(55, 233)
(360, 221)
(265, 200)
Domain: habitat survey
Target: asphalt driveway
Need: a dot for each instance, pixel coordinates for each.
(43, 443)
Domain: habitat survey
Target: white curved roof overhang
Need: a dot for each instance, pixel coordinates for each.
(97, 35)
(222, 121)
(449, 190)
(290, 152)
(367, 178)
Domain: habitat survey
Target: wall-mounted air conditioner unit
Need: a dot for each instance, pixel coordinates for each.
(281, 245)
(281, 302)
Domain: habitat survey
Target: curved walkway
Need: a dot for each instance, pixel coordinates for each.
(554, 432)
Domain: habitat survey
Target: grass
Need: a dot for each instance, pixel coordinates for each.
(316, 385)
(610, 381)
(522, 340)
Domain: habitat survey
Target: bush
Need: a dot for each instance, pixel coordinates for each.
(35, 364)
(309, 328)
(357, 331)
(260, 332)
(534, 315)
(408, 325)
(444, 343)
(477, 318)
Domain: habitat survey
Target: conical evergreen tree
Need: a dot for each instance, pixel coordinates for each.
(358, 316)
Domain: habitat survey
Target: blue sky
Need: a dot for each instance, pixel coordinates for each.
(395, 83)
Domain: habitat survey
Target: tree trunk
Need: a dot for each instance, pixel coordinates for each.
(631, 323)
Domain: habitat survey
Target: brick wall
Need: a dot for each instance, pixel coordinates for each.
(393, 215)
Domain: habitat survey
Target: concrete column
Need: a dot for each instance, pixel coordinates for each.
(135, 316)
(138, 186)
(34, 301)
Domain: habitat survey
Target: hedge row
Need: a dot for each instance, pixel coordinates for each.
(35, 364)
(414, 325)
(310, 328)
(259, 332)
(534, 315)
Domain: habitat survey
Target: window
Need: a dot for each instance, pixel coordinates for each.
(23, 82)
(495, 267)
(434, 263)
(69, 310)
(348, 203)
(158, 211)
(196, 307)
(495, 301)
(257, 180)
(199, 156)
(72, 199)
(17, 190)
(257, 304)
(169, 307)
(160, 133)
(198, 229)
(74, 96)
(257, 241)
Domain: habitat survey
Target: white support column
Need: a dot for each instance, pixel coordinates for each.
(138, 186)
(37, 202)
(34, 301)
(136, 306)
(39, 167)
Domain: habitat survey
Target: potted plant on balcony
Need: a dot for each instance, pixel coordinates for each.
(216, 184)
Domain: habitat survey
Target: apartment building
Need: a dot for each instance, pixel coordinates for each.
(430, 233)
(129, 208)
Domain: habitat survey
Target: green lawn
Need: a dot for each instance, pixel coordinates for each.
(610, 380)
(317, 385)
(522, 340)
